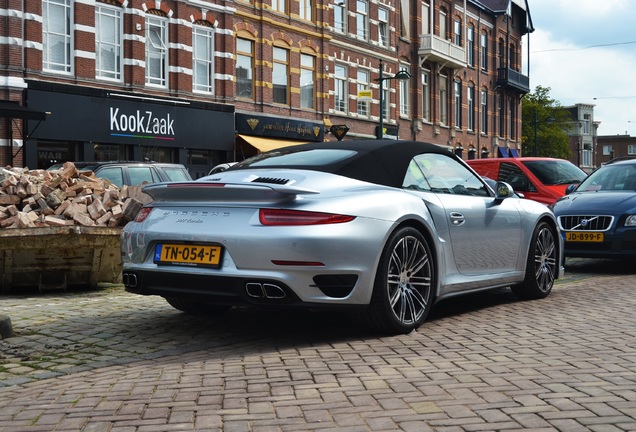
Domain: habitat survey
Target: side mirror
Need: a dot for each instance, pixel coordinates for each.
(570, 189)
(503, 190)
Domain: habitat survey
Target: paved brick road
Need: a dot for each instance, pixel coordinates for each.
(110, 361)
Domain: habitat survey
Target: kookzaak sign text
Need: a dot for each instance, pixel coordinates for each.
(141, 124)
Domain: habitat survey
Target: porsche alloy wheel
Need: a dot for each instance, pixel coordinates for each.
(541, 267)
(402, 295)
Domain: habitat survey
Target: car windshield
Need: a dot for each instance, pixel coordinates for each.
(555, 172)
(619, 177)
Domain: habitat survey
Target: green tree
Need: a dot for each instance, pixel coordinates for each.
(544, 125)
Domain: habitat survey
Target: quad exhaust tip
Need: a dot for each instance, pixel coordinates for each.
(264, 290)
(129, 280)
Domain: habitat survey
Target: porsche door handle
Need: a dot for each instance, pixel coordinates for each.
(457, 219)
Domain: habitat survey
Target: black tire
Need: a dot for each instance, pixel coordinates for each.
(542, 265)
(197, 307)
(403, 288)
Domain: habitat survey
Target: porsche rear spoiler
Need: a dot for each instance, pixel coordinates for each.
(225, 192)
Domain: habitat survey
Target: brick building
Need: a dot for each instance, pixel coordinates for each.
(207, 81)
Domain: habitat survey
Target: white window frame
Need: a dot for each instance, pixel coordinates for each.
(457, 84)
(242, 57)
(470, 102)
(443, 99)
(340, 16)
(203, 59)
(157, 46)
(607, 150)
(363, 107)
(442, 24)
(340, 89)
(383, 27)
(426, 95)
(54, 34)
(405, 100)
(457, 32)
(279, 6)
(631, 149)
(484, 111)
(306, 9)
(426, 19)
(307, 81)
(108, 42)
(483, 45)
(362, 19)
(280, 73)
(470, 48)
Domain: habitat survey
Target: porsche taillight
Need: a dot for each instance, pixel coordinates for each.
(143, 214)
(279, 217)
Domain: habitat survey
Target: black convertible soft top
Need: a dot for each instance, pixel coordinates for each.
(381, 162)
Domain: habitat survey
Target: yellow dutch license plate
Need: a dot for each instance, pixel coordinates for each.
(593, 237)
(188, 254)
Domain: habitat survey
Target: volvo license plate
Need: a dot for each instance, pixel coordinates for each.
(188, 254)
(594, 237)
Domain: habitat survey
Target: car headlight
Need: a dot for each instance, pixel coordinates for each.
(630, 221)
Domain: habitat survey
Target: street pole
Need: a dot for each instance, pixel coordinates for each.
(381, 81)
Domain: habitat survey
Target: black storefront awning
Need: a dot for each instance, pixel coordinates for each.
(12, 109)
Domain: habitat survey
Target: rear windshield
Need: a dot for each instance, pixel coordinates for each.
(555, 172)
(308, 158)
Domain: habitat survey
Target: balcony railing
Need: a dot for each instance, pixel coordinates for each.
(436, 49)
(513, 79)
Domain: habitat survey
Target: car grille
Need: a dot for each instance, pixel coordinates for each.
(586, 223)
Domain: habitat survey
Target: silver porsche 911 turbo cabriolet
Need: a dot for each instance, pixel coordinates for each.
(385, 228)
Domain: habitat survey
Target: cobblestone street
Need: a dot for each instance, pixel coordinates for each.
(109, 361)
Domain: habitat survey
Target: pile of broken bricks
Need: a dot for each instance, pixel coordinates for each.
(63, 197)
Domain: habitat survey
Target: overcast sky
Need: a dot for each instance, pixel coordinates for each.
(585, 52)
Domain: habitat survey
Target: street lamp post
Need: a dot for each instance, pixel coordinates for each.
(401, 75)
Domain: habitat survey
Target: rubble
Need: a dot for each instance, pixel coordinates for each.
(63, 197)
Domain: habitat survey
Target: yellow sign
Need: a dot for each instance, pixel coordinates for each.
(365, 95)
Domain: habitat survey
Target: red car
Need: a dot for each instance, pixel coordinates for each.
(536, 178)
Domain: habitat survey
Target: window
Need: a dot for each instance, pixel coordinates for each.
(442, 24)
(244, 68)
(363, 84)
(280, 76)
(56, 36)
(108, 33)
(307, 81)
(512, 124)
(279, 5)
(426, 28)
(586, 124)
(340, 88)
(405, 15)
(458, 104)
(587, 157)
(470, 35)
(443, 99)
(484, 51)
(631, 149)
(386, 99)
(457, 32)
(405, 108)
(203, 59)
(361, 18)
(383, 27)
(484, 112)
(470, 100)
(340, 16)
(607, 150)
(156, 50)
(500, 54)
(306, 9)
(500, 115)
(426, 96)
